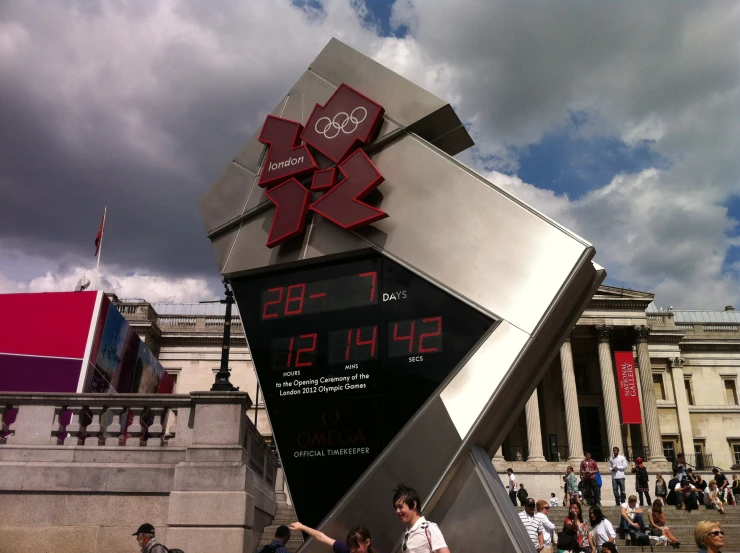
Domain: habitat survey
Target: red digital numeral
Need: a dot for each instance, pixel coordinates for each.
(438, 332)
(298, 362)
(290, 299)
(374, 276)
(265, 314)
(372, 342)
(349, 345)
(410, 337)
(311, 348)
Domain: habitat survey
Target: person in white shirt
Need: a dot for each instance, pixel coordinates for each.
(532, 524)
(548, 528)
(420, 536)
(603, 530)
(631, 519)
(512, 486)
(617, 466)
(553, 500)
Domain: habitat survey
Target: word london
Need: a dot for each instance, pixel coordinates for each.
(286, 163)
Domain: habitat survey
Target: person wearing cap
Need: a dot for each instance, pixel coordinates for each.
(532, 524)
(147, 541)
(642, 483)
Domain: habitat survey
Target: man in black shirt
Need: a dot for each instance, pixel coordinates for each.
(722, 483)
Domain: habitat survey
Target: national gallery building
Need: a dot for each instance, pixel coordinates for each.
(686, 371)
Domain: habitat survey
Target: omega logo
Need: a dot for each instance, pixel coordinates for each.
(330, 417)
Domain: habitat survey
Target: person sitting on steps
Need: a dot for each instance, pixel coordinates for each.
(657, 519)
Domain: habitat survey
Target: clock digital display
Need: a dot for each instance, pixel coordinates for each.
(346, 353)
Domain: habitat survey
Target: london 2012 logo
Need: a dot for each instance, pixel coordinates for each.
(337, 130)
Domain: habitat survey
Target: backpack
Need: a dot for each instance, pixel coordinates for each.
(270, 548)
(639, 538)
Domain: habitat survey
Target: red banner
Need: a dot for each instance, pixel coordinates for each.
(628, 398)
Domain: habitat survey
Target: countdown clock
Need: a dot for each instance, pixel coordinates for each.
(346, 353)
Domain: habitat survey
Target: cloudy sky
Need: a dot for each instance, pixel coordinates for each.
(619, 120)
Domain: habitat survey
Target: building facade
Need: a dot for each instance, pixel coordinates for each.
(687, 366)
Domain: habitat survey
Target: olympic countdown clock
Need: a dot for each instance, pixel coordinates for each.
(398, 306)
(347, 353)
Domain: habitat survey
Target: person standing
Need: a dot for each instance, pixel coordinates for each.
(617, 465)
(679, 467)
(709, 536)
(522, 495)
(723, 484)
(532, 525)
(735, 489)
(512, 485)
(420, 536)
(589, 470)
(277, 545)
(548, 528)
(661, 488)
(571, 485)
(553, 500)
(642, 483)
(145, 537)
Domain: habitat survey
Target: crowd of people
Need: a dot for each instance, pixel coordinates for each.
(685, 490)
(596, 534)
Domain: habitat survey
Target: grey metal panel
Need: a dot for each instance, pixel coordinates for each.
(456, 227)
(404, 102)
(250, 156)
(474, 499)
(249, 249)
(226, 198)
(222, 246)
(305, 94)
(471, 389)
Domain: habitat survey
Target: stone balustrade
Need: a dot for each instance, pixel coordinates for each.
(193, 465)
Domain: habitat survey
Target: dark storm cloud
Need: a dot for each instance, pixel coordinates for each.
(137, 106)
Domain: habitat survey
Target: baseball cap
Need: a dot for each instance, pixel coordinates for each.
(530, 502)
(145, 528)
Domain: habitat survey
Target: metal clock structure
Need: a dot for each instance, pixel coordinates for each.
(399, 307)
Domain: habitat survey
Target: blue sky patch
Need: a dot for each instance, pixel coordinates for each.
(567, 161)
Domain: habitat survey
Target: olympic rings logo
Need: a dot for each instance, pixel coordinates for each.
(340, 123)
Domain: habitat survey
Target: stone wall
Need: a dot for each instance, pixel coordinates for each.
(87, 484)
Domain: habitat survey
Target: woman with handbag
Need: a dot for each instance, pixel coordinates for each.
(642, 484)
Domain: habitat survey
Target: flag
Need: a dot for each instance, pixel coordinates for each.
(99, 236)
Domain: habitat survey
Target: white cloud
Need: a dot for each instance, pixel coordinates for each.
(153, 288)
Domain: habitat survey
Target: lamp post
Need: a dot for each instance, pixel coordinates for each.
(222, 384)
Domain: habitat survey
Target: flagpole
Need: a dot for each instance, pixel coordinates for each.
(100, 249)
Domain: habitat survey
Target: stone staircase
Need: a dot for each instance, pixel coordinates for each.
(283, 515)
(681, 523)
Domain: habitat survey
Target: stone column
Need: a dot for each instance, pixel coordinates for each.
(609, 389)
(649, 404)
(499, 457)
(570, 396)
(534, 433)
(682, 405)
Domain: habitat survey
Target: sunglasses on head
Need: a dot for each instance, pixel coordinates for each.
(716, 533)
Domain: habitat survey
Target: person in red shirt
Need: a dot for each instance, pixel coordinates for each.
(589, 469)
